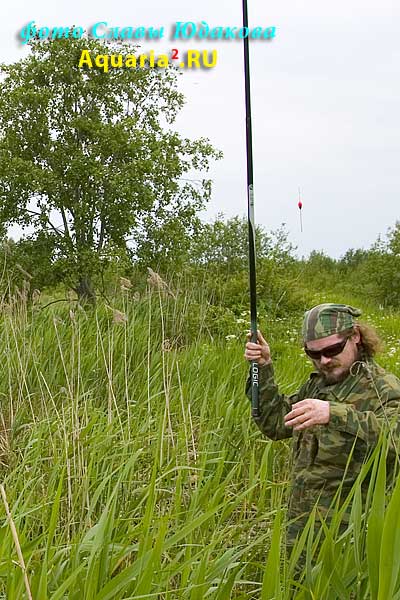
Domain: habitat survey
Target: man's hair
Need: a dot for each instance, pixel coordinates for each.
(370, 342)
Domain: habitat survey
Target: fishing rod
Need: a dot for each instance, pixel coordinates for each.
(255, 406)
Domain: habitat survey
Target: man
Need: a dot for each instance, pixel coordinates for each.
(337, 416)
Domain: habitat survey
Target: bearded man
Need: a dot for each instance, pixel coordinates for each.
(336, 417)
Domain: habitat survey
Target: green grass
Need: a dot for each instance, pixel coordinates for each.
(132, 468)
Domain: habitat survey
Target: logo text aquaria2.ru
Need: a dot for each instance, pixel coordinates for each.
(192, 59)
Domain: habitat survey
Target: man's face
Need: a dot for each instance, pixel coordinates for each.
(337, 367)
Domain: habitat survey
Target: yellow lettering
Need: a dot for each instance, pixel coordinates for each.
(102, 62)
(193, 57)
(130, 61)
(206, 62)
(85, 59)
(116, 61)
(162, 61)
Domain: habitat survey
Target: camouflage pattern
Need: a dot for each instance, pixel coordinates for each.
(327, 319)
(361, 406)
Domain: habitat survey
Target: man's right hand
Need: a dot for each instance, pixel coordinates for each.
(259, 351)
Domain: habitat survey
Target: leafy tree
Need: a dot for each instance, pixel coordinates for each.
(218, 257)
(166, 240)
(380, 273)
(394, 239)
(374, 274)
(225, 243)
(353, 258)
(33, 255)
(85, 156)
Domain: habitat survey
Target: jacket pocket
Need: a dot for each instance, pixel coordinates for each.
(338, 448)
(305, 450)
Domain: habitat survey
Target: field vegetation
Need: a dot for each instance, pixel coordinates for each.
(130, 466)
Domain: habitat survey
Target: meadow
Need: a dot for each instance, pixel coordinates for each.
(131, 468)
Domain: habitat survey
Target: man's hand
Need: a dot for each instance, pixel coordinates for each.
(307, 413)
(259, 352)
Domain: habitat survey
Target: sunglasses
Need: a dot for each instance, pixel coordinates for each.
(328, 352)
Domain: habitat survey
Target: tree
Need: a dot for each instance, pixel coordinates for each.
(353, 258)
(225, 243)
(30, 258)
(85, 156)
(393, 237)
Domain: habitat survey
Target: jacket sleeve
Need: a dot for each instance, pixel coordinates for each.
(273, 405)
(368, 425)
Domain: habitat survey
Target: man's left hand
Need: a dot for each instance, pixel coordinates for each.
(307, 413)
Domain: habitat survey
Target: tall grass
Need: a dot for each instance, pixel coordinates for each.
(132, 469)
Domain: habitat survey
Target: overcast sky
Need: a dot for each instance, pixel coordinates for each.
(325, 99)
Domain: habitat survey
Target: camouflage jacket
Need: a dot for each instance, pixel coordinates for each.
(366, 402)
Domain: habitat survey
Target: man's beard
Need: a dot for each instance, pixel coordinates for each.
(330, 376)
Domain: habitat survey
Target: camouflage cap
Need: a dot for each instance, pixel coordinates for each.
(328, 319)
